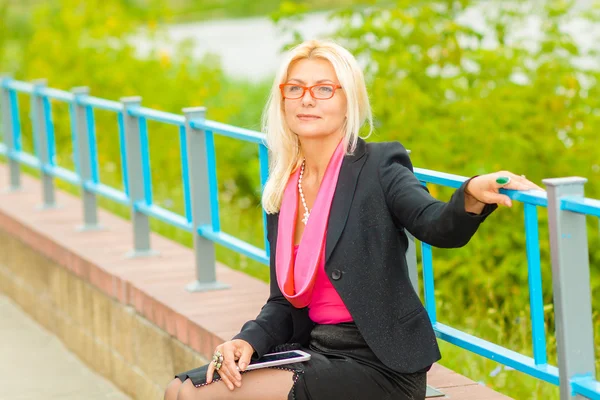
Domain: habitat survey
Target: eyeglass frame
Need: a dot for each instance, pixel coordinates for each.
(309, 88)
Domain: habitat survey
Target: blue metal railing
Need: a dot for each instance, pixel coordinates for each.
(202, 216)
(537, 366)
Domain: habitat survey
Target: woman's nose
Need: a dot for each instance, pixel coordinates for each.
(307, 98)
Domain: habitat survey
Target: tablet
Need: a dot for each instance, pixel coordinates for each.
(281, 358)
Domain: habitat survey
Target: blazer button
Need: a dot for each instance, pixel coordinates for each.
(336, 274)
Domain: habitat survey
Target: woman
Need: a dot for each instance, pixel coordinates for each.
(337, 208)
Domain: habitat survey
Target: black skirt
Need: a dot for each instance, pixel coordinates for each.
(342, 366)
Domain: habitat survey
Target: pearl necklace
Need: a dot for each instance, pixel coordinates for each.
(306, 210)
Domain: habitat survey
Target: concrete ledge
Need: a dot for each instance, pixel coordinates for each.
(130, 319)
(109, 336)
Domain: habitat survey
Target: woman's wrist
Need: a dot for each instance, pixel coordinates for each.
(472, 205)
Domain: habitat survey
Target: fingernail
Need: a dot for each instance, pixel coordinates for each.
(503, 180)
(242, 366)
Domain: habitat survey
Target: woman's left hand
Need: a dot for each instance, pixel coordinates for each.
(486, 188)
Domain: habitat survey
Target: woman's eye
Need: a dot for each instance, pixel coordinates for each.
(325, 89)
(294, 88)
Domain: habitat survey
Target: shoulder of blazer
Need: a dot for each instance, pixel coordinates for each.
(385, 147)
(380, 152)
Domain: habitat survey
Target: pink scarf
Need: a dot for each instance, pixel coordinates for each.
(296, 284)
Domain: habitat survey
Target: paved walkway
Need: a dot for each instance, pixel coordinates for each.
(34, 364)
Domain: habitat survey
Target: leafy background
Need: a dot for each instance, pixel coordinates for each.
(462, 107)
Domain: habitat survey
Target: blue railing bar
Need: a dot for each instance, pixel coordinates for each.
(234, 243)
(536, 301)
(213, 188)
(63, 174)
(51, 143)
(155, 115)
(497, 353)
(428, 281)
(229, 130)
(107, 191)
(122, 145)
(586, 386)
(164, 215)
(185, 175)
(537, 198)
(91, 134)
(46, 168)
(56, 94)
(16, 119)
(19, 86)
(25, 158)
(102, 104)
(439, 178)
(581, 205)
(145, 150)
(263, 159)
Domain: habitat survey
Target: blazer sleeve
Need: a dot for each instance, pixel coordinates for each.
(432, 221)
(273, 325)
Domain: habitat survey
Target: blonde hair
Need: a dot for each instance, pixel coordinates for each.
(285, 154)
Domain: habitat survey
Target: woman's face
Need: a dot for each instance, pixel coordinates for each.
(309, 117)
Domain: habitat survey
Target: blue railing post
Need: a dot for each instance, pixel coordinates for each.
(40, 132)
(571, 285)
(536, 301)
(133, 153)
(84, 159)
(14, 168)
(204, 249)
(263, 159)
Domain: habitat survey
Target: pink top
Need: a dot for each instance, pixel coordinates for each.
(326, 306)
(297, 271)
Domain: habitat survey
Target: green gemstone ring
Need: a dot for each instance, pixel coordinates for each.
(503, 180)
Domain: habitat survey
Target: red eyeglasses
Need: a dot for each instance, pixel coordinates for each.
(322, 91)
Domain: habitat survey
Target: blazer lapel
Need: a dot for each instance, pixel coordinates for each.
(343, 196)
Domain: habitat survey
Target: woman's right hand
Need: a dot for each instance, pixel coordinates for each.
(232, 351)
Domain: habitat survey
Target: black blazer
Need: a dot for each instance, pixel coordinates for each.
(376, 197)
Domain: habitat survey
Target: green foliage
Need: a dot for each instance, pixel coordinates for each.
(193, 10)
